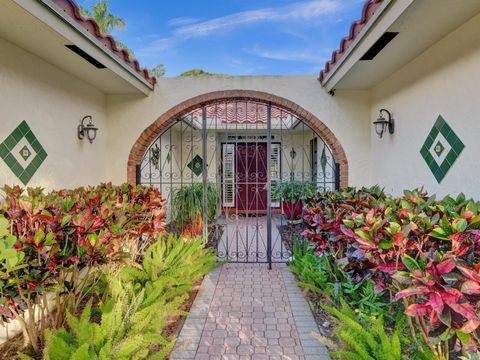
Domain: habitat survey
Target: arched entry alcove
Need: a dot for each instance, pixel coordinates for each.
(220, 159)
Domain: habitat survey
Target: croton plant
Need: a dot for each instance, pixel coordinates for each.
(52, 243)
(417, 250)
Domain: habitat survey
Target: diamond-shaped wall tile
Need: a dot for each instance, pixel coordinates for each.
(196, 165)
(25, 152)
(22, 152)
(441, 148)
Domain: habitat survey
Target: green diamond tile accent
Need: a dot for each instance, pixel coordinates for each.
(22, 152)
(25, 153)
(441, 148)
(196, 165)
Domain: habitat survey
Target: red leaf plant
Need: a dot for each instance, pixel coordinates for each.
(64, 237)
(424, 252)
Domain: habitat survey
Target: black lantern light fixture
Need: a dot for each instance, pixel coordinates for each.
(293, 153)
(89, 130)
(382, 124)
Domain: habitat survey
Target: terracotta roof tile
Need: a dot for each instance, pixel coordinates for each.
(368, 10)
(71, 8)
(234, 112)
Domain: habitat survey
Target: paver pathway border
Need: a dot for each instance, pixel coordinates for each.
(304, 320)
(189, 339)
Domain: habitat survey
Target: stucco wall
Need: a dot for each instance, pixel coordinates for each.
(445, 80)
(52, 103)
(346, 114)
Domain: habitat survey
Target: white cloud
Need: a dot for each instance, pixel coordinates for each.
(299, 11)
(291, 54)
(183, 30)
(181, 21)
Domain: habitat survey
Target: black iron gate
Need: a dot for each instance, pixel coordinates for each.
(236, 172)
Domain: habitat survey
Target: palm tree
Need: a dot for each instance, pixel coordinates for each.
(108, 22)
(104, 18)
(158, 71)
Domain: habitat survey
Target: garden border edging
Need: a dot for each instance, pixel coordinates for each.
(191, 332)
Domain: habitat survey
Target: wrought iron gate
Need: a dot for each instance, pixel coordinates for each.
(221, 168)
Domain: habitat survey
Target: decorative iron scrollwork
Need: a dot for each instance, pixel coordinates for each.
(155, 158)
(242, 149)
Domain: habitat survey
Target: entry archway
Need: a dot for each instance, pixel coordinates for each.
(221, 158)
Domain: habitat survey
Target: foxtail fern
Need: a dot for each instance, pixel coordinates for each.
(138, 308)
(365, 343)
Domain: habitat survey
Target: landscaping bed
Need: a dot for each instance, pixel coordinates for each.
(11, 348)
(289, 234)
(120, 285)
(399, 275)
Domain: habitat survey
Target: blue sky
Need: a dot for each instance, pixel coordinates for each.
(237, 37)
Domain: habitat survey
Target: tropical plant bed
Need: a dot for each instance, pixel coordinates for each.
(404, 272)
(175, 323)
(11, 348)
(120, 285)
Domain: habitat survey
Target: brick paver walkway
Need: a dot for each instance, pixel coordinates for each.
(245, 311)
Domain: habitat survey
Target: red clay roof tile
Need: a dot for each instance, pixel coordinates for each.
(368, 10)
(71, 8)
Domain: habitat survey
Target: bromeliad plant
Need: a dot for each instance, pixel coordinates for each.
(61, 239)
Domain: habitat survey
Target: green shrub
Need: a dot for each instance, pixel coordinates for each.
(321, 274)
(128, 329)
(311, 270)
(169, 266)
(139, 304)
(360, 342)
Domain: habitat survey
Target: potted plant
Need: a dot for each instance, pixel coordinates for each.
(291, 194)
(188, 210)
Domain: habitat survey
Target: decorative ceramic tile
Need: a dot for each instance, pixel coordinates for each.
(441, 148)
(196, 165)
(22, 152)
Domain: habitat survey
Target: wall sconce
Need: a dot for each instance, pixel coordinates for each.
(89, 130)
(293, 153)
(381, 124)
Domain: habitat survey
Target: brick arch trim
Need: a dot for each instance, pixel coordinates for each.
(168, 118)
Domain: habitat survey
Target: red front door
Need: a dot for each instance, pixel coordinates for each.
(251, 178)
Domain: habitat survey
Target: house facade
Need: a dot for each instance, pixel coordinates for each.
(416, 59)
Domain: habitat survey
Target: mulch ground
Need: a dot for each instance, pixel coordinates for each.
(290, 234)
(325, 321)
